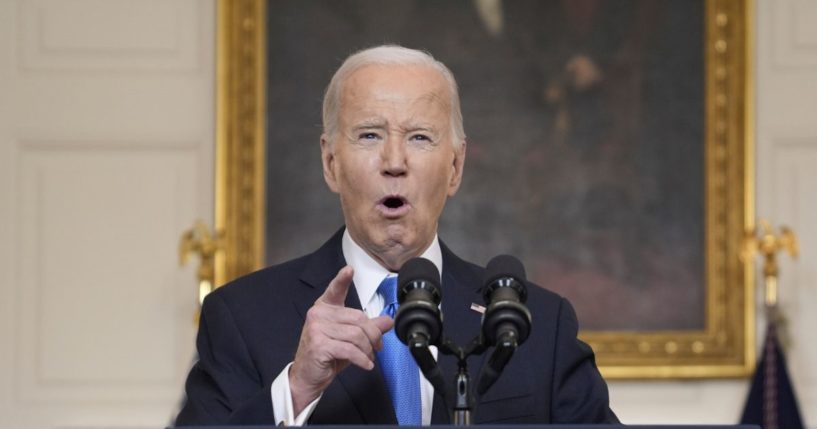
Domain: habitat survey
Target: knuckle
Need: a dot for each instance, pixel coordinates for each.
(312, 331)
(344, 331)
(313, 312)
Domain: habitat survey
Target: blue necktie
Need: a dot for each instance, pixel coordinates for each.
(400, 371)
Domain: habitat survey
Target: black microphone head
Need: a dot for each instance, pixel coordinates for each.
(418, 294)
(505, 292)
(418, 270)
(505, 267)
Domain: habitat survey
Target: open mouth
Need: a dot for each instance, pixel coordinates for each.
(393, 202)
(394, 206)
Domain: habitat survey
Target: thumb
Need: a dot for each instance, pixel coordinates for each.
(335, 293)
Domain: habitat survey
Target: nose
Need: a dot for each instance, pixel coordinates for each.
(394, 162)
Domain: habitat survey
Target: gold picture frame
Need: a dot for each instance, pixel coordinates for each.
(724, 348)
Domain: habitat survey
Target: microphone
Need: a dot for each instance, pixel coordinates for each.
(418, 322)
(507, 321)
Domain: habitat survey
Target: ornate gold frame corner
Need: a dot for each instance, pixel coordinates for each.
(724, 348)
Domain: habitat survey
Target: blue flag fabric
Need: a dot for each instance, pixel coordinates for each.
(772, 403)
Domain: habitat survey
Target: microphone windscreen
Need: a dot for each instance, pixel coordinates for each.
(505, 266)
(418, 269)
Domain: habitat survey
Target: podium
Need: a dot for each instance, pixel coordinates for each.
(496, 426)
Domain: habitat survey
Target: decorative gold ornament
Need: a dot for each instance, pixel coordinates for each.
(200, 241)
(763, 241)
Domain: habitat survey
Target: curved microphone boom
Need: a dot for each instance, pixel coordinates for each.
(418, 322)
(507, 321)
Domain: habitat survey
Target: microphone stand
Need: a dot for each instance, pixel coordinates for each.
(464, 394)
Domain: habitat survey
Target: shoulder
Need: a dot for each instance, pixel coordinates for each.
(287, 279)
(258, 294)
(263, 279)
(541, 297)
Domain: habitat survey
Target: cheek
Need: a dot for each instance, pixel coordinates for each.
(349, 172)
(437, 189)
(355, 186)
(357, 166)
(443, 171)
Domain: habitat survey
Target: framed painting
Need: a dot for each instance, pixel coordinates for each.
(609, 148)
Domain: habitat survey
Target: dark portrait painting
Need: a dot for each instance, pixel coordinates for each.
(585, 141)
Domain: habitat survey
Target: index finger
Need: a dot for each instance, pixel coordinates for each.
(335, 293)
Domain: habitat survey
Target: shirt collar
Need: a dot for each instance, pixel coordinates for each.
(369, 273)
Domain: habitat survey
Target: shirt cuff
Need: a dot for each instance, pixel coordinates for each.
(282, 402)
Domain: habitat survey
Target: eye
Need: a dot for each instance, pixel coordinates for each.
(368, 136)
(420, 137)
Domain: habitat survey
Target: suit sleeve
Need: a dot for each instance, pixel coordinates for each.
(224, 386)
(579, 392)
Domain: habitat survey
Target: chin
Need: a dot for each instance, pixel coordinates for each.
(399, 234)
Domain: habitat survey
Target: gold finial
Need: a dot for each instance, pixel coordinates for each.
(199, 240)
(764, 241)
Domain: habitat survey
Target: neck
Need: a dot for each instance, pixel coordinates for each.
(392, 256)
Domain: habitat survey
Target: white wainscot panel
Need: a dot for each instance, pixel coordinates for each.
(111, 34)
(794, 32)
(795, 196)
(94, 325)
(805, 32)
(678, 402)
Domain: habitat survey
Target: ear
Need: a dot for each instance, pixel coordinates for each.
(328, 162)
(456, 169)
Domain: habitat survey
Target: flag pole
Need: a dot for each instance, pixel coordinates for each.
(771, 402)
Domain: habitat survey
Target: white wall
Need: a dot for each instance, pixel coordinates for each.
(106, 147)
(787, 168)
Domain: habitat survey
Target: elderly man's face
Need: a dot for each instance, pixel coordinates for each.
(393, 160)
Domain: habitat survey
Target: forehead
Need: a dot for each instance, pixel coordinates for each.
(395, 86)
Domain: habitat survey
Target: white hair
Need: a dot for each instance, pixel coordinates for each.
(388, 55)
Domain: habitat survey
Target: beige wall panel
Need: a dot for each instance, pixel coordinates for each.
(7, 227)
(114, 111)
(792, 32)
(787, 171)
(805, 32)
(99, 294)
(127, 35)
(678, 402)
(106, 156)
(795, 202)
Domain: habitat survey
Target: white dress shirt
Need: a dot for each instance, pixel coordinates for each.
(367, 277)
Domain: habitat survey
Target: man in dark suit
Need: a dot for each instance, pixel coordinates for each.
(291, 344)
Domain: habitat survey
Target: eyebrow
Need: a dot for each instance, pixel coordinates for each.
(418, 125)
(415, 128)
(381, 123)
(370, 123)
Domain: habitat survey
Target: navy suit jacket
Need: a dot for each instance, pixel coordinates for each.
(249, 331)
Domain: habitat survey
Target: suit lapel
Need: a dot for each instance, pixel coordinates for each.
(354, 388)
